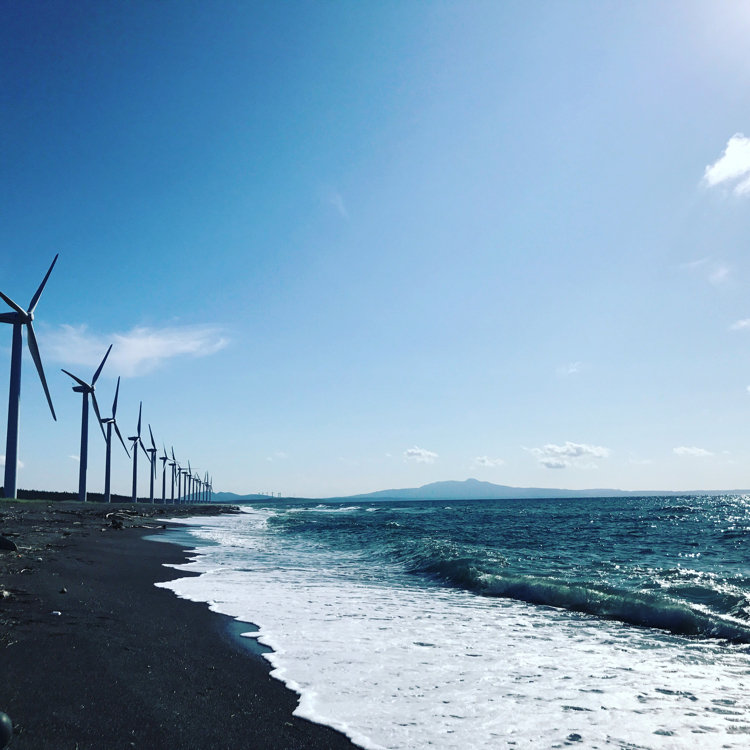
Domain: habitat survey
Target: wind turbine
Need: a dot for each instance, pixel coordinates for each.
(18, 319)
(164, 460)
(136, 442)
(152, 460)
(111, 422)
(178, 469)
(189, 478)
(173, 464)
(86, 390)
(185, 473)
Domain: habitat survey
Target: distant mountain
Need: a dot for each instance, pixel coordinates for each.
(231, 497)
(473, 489)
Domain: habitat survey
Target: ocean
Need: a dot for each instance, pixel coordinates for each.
(596, 623)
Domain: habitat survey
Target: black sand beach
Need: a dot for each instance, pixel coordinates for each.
(95, 656)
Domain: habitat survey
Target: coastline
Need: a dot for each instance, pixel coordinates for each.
(96, 656)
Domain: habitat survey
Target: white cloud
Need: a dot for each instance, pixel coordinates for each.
(333, 198)
(719, 275)
(691, 265)
(684, 450)
(420, 455)
(487, 462)
(713, 270)
(732, 167)
(740, 325)
(278, 456)
(77, 459)
(135, 352)
(579, 455)
(19, 463)
(570, 369)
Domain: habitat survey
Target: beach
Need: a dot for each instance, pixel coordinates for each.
(95, 656)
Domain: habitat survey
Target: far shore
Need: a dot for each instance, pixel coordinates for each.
(95, 656)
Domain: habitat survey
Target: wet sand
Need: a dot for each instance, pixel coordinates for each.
(95, 656)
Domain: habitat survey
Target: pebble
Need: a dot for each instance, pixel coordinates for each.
(6, 730)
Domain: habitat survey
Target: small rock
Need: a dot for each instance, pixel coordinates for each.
(63, 590)
(56, 612)
(8, 544)
(6, 730)
(575, 737)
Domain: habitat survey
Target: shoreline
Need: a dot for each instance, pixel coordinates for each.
(96, 656)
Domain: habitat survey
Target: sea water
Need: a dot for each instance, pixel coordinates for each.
(485, 624)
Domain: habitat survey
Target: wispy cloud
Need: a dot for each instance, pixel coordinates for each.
(568, 454)
(640, 461)
(487, 462)
(572, 368)
(740, 325)
(336, 200)
(714, 270)
(719, 275)
(691, 265)
(135, 352)
(684, 450)
(420, 455)
(278, 456)
(732, 167)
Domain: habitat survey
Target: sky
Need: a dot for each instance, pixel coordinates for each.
(340, 247)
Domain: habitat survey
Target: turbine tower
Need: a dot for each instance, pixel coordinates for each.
(185, 473)
(136, 442)
(111, 422)
(164, 458)
(173, 464)
(178, 469)
(18, 319)
(86, 390)
(152, 460)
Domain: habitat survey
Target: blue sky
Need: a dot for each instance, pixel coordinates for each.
(341, 247)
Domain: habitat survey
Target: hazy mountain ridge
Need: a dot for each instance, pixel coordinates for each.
(474, 489)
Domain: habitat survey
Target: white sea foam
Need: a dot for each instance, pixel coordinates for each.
(397, 664)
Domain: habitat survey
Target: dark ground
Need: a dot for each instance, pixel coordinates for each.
(114, 662)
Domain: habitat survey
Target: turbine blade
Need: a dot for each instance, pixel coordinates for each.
(16, 307)
(140, 411)
(99, 370)
(98, 414)
(39, 291)
(153, 444)
(34, 349)
(143, 448)
(114, 403)
(77, 379)
(119, 435)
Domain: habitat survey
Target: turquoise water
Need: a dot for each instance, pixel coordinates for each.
(600, 622)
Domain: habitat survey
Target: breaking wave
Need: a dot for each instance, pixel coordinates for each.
(714, 610)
